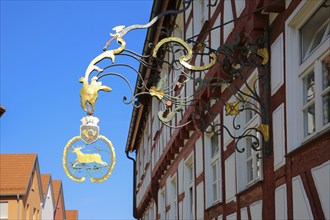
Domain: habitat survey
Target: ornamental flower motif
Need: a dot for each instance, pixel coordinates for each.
(156, 92)
(232, 108)
(264, 129)
(168, 103)
(178, 84)
(263, 52)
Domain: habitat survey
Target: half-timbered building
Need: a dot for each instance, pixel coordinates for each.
(191, 173)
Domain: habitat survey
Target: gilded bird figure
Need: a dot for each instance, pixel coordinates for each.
(89, 92)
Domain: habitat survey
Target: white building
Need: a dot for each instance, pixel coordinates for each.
(48, 203)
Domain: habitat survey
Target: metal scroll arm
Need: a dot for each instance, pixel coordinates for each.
(88, 92)
(107, 54)
(185, 59)
(121, 30)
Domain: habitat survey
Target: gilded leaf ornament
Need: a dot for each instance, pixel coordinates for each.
(156, 92)
(264, 129)
(263, 52)
(185, 59)
(232, 108)
(170, 114)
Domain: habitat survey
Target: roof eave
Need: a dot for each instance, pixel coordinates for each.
(14, 194)
(156, 8)
(30, 177)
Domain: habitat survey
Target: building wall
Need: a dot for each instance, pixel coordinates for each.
(294, 177)
(47, 211)
(13, 210)
(31, 204)
(60, 209)
(32, 200)
(27, 206)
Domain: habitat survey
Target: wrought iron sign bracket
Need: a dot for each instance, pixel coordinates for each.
(240, 70)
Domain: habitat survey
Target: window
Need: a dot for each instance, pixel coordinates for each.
(163, 205)
(199, 15)
(151, 211)
(315, 31)
(3, 210)
(143, 157)
(139, 161)
(315, 73)
(191, 203)
(249, 163)
(253, 162)
(189, 184)
(146, 215)
(154, 119)
(212, 165)
(145, 145)
(316, 91)
(325, 94)
(173, 191)
(214, 145)
(309, 103)
(307, 67)
(177, 32)
(190, 174)
(249, 114)
(215, 168)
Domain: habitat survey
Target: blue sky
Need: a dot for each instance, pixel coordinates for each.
(46, 47)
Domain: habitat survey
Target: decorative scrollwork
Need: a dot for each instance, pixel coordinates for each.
(185, 59)
(183, 69)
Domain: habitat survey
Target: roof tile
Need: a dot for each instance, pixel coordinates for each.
(45, 178)
(71, 214)
(56, 187)
(15, 173)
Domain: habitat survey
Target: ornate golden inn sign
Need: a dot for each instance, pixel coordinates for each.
(91, 155)
(92, 159)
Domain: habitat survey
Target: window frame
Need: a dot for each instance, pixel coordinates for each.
(163, 204)
(174, 200)
(312, 47)
(242, 159)
(214, 160)
(312, 64)
(151, 211)
(315, 68)
(252, 120)
(189, 164)
(253, 156)
(216, 181)
(255, 159)
(295, 70)
(4, 217)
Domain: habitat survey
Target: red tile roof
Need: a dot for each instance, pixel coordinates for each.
(45, 178)
(71, 214)
(56, 187)
(15, 173)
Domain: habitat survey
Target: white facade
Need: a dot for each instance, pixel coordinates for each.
(48, 207)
